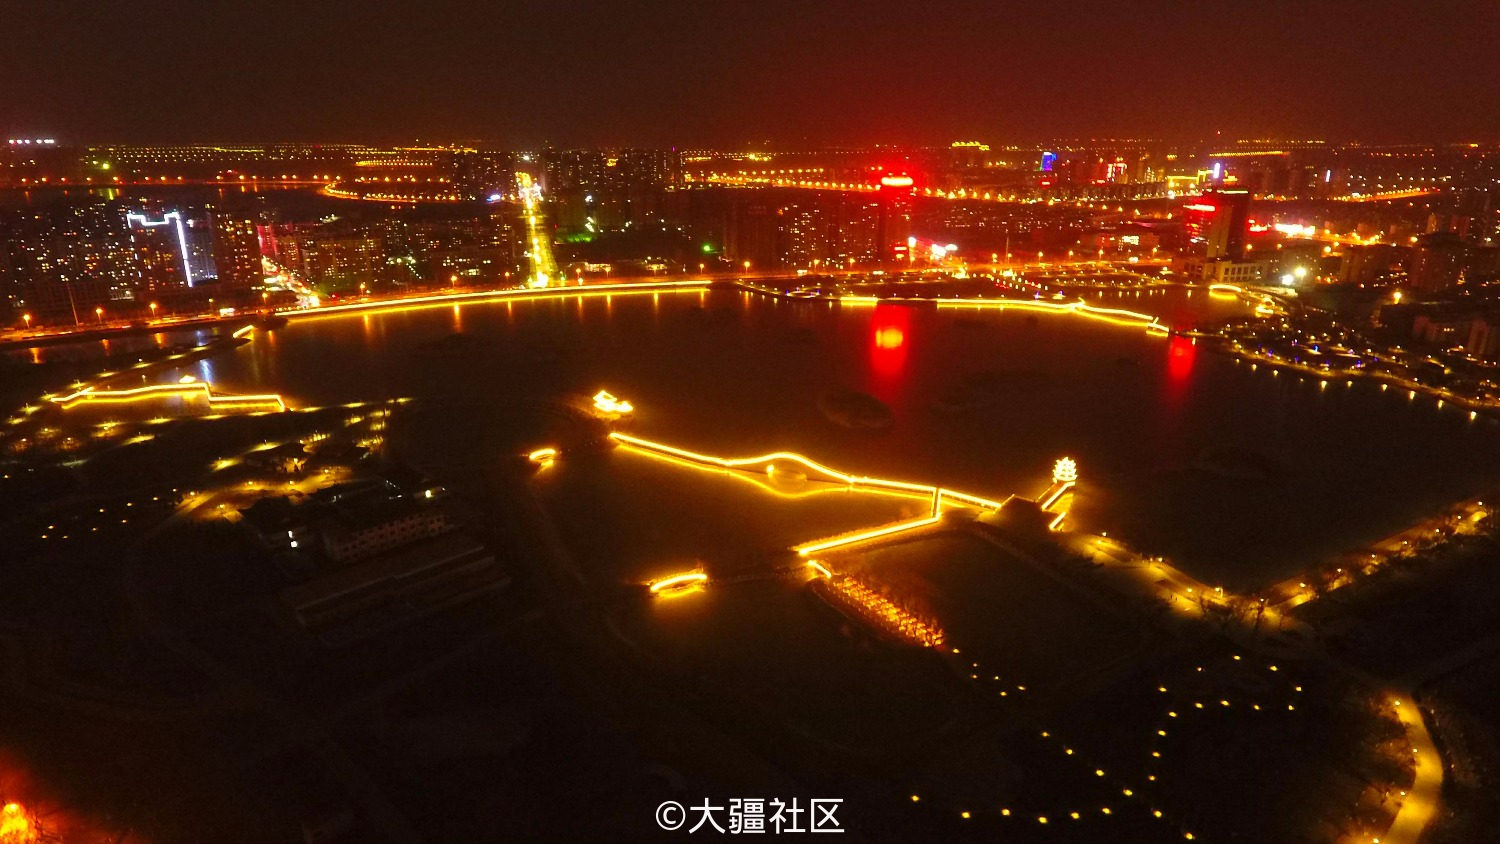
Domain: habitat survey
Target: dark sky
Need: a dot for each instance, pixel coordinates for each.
(719, 72)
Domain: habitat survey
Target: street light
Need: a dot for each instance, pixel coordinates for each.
(747, 266)
(99, 312)
(153, 310)
(27, 317)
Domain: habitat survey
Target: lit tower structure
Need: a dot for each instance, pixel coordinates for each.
(1064, 478)
(893, 217)
(1065, 471)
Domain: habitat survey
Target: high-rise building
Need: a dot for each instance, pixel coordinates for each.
(893, 216)
(236, 249)
(61, 261)
(609, 188)
(335, 259)
(199, 244)
(1220, 220)
(1437, 261)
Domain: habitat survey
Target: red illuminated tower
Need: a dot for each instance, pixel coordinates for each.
(893, 220)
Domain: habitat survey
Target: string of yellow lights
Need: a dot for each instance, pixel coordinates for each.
(156, 391)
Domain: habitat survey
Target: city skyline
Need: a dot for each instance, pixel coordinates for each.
(585, 421)
(698, 74)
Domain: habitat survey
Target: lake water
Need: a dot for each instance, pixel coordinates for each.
(734, 374)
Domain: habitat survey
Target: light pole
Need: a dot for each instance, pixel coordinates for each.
(72, 303)
(153, 310)
(99, 312)
(27, 317)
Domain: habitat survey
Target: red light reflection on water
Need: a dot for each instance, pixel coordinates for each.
(1182, 353)
(890, 329)
(890, 337)
(1182, 356)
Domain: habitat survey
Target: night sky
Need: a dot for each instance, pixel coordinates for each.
(792, 72)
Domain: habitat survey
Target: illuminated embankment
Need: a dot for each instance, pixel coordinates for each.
(1114, 316)
(1474, 403)
(188, 389)
(938, 496)
(1051, 497)
(1149, 323)
(790, 179)
(330, 190)
(517, 294)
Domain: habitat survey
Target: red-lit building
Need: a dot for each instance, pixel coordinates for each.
(893, 217)
(1220, 220)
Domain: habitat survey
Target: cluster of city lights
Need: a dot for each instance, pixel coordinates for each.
(392, 198)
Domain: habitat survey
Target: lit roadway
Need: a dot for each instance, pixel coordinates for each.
(1422, 799)
(539, 240)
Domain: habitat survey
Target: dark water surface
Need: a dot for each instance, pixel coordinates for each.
(1148, 418)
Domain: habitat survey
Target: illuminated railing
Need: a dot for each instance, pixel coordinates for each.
(865, 535)
(1058, 490)
(938, 496)
(512, 295)
(1114, 316)
(186, 390)
(767, 481)
(677, 584)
